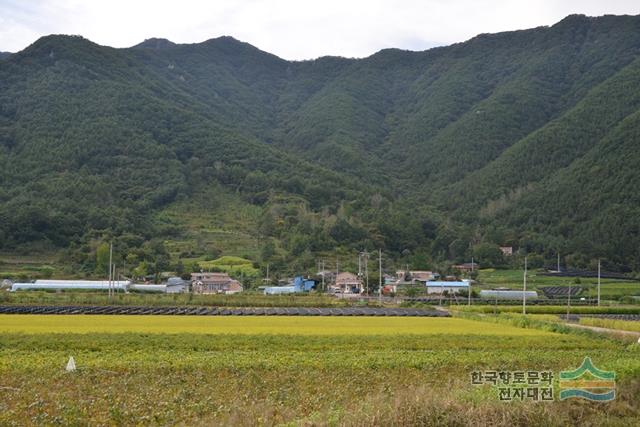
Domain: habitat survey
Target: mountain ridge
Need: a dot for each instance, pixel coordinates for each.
(428, 154)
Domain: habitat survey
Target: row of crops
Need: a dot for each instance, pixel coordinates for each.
(196, 370)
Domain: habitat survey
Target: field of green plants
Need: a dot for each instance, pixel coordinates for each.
(551, 309)
(244, 299)
(611, 289)
(293, 370)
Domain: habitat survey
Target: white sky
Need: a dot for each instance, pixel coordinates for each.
(288, 28)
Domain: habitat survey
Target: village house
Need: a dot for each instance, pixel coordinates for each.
(348, 282)
(422, 276)
(214, 283)
(506, 250)
(467, 267)
(389, 279)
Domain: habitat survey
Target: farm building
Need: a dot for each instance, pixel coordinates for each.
(511, 294)
(440, 287)
(389, 279)
(422, 276)
(348, 283)
(169, 288)
(506, 250)
(467, 267)
(176, 285)
(148, 288)
(298, 285)
(55, 285)
(214, 283)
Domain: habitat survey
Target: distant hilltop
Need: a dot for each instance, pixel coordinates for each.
(524, 139)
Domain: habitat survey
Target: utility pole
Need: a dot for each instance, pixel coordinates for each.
(338, 272)
(598, 282)
(364, 255)
(569, 301)
(366, 270)
(558, 261)
(380, 278)
(524, 288)
(323, 272)
(110, 272)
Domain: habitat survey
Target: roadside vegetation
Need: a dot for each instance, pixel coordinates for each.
(624, 325)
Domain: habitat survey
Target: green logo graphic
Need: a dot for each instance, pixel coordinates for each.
(588, 382)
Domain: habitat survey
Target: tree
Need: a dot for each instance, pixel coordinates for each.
(268, 251)
(488, 254)
(102, 258)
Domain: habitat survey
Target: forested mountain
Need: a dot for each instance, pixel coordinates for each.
(4, 55)
(525, 138)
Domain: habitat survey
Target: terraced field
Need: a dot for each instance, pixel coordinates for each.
(295, 370)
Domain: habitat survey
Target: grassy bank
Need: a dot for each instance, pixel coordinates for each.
(245, 299)
(624, 325)
(550, 309)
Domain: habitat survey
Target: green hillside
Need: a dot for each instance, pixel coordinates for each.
(187, 152)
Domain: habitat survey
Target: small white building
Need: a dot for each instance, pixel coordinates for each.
(440, 287)
(148, 288)
(60, 285)
(508, 294)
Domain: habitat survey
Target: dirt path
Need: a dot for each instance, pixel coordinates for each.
(617, 332)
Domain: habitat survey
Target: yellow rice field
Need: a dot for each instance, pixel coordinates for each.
(267, 325)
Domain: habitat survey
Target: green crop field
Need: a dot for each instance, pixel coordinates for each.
(244, 299)
(610, 288)
(550, 309)
(292, 370)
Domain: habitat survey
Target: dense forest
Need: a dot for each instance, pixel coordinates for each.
(526, 139)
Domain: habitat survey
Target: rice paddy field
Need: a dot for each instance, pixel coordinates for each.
(163, 370)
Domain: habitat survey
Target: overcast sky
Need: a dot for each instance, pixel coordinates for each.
(292, 29)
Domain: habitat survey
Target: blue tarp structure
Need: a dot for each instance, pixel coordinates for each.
(299, 285)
